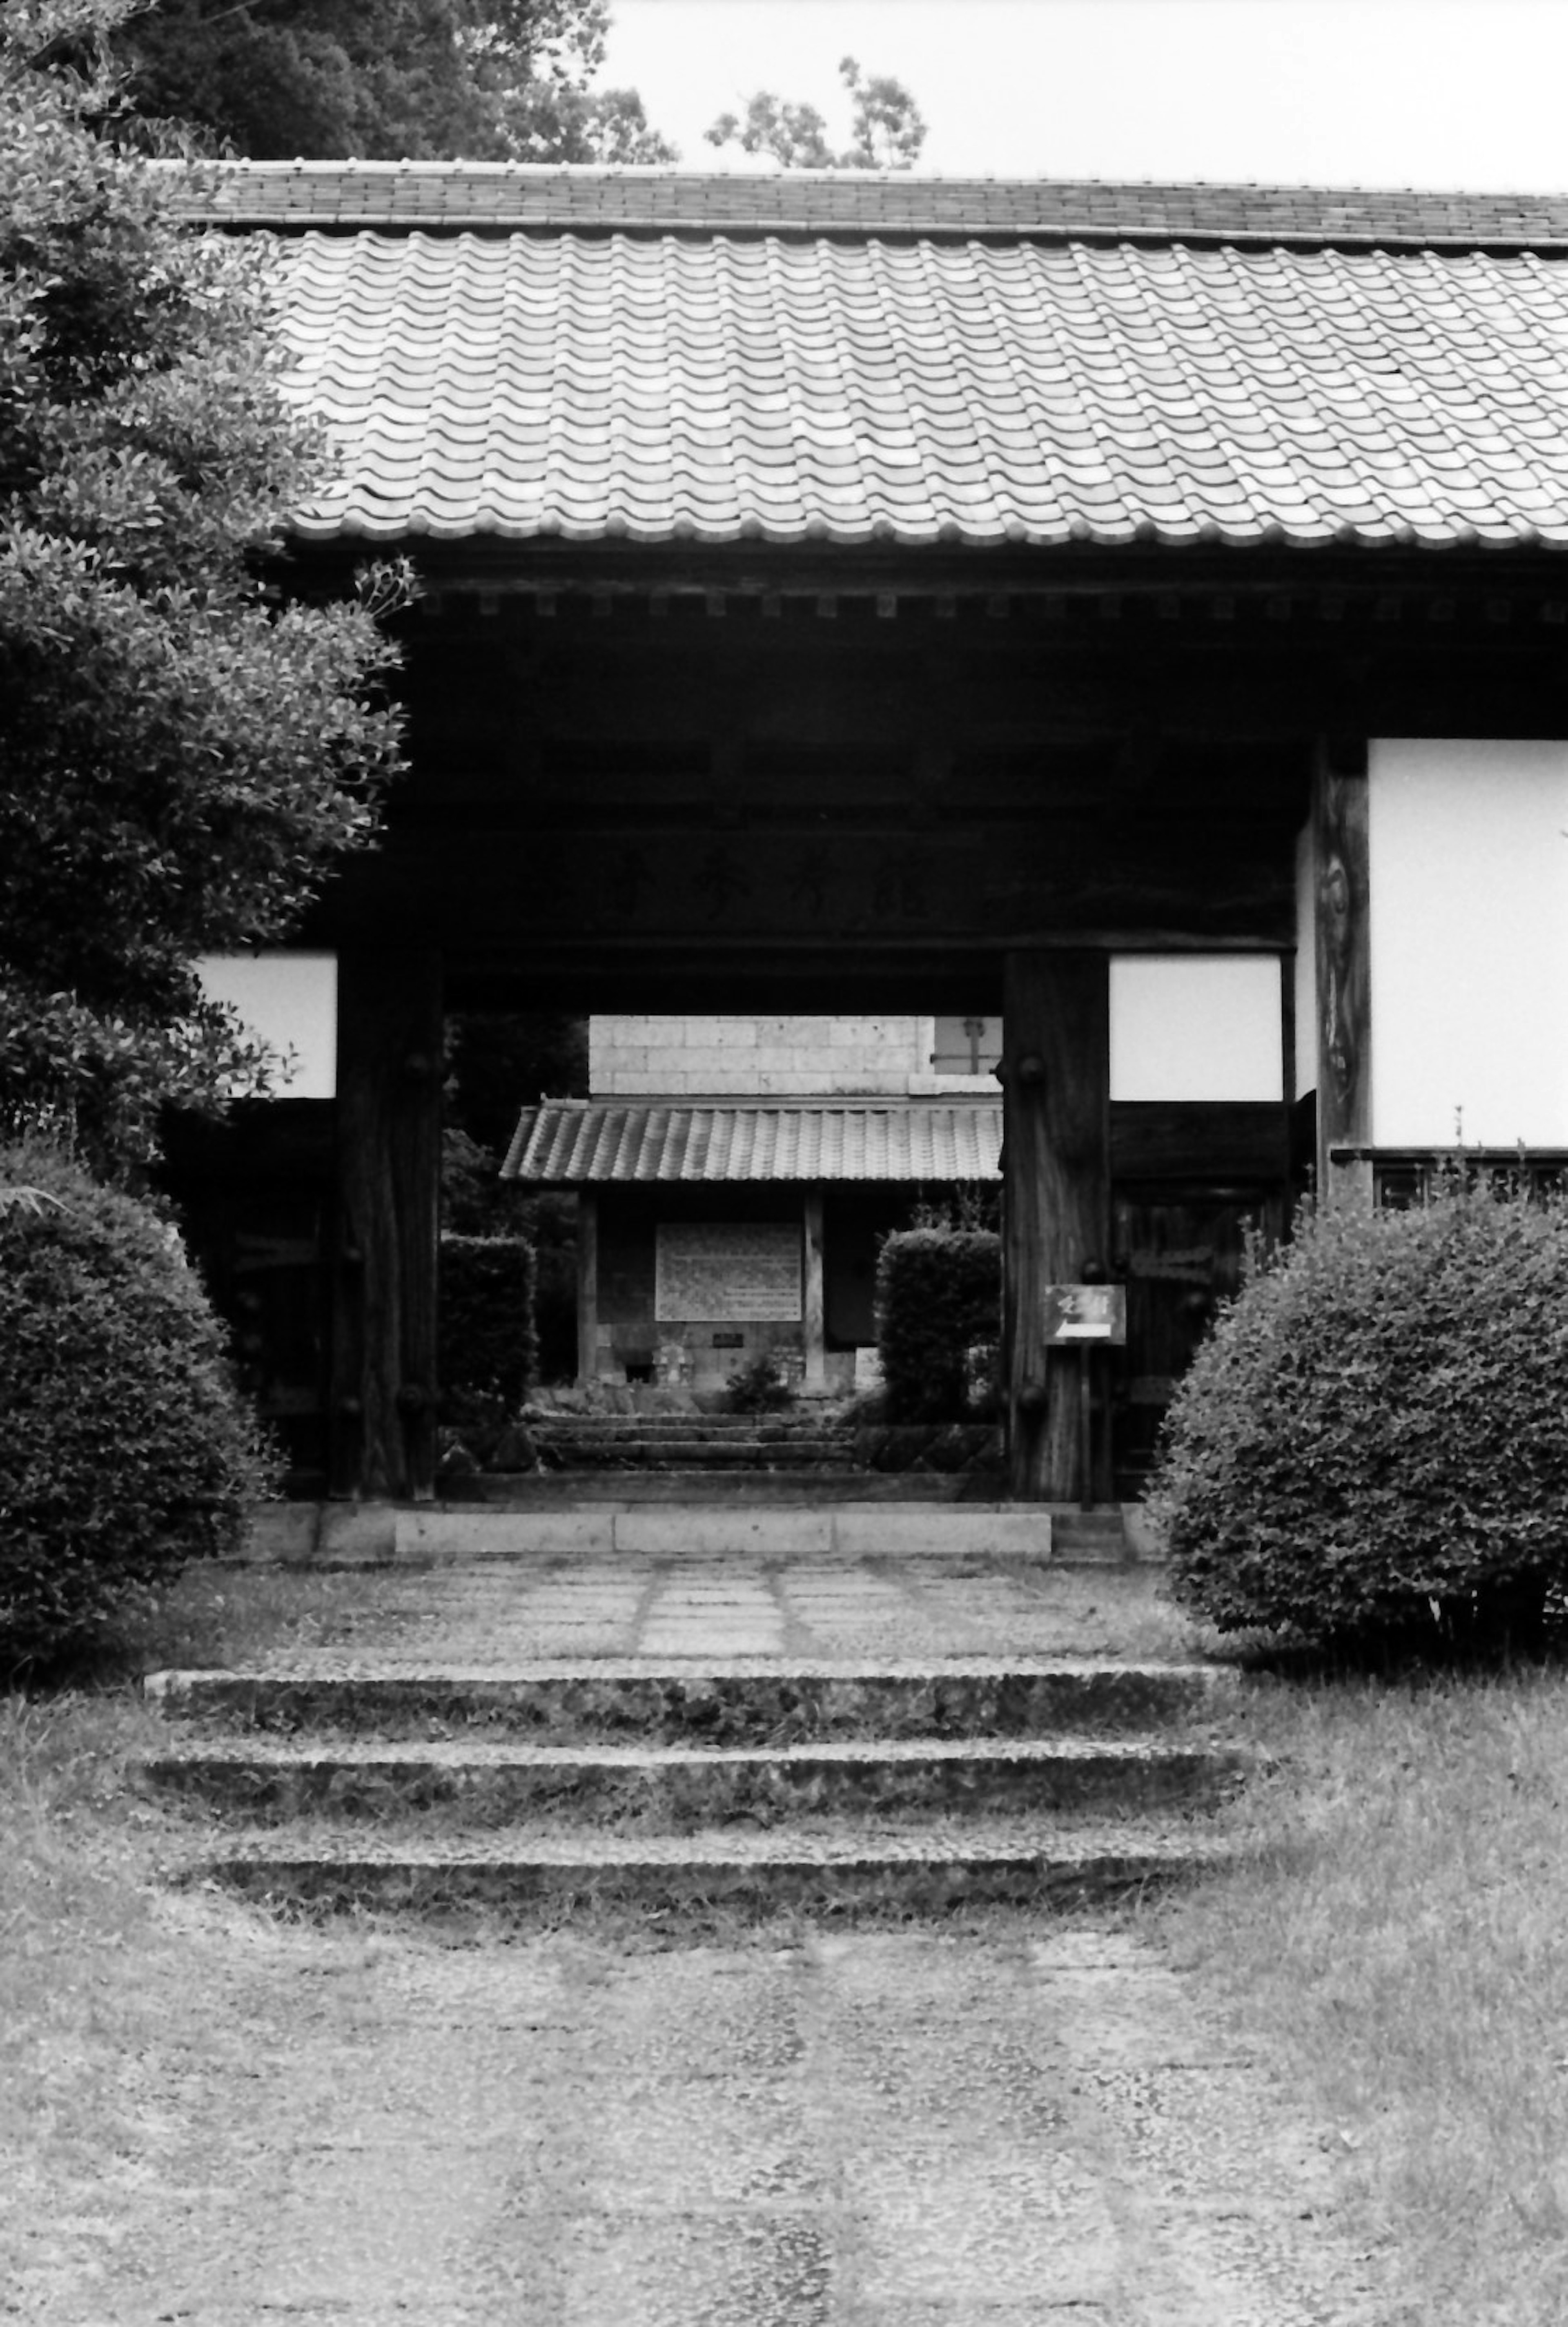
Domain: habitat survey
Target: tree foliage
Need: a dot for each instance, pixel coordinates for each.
(379, 80)
(887, 132)
(188, 751)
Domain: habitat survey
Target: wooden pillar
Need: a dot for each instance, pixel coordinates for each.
(1056, 1197)
(587, 1285)
(388, 1181)
(814, 1330)
(1342, 933)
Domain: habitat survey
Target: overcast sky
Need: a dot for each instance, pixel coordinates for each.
(1437, 93)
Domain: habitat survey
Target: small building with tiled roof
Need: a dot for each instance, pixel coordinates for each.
(1136, 613)
(736, 1175)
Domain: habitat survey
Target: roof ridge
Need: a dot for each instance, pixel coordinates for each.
(449, 197)
(245, 164)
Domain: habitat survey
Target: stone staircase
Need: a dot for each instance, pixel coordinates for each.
(594, 1444)
(661, 1447)
(649, 1455)
(694, 1778)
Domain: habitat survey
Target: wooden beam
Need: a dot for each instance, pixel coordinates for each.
(587, 1285)
(388, 1175)
(1341, 902)
(1056, 1201)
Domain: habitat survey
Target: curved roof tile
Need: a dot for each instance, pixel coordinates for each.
(578, 1143)
(659, 355)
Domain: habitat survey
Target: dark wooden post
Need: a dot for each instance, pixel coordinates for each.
(1056, 1198)
(812, 1326)
(587, 1285)
(1341, 869)
(389, 1168)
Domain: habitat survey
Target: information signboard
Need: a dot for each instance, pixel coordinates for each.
(1076, 1315)
(727, 1272)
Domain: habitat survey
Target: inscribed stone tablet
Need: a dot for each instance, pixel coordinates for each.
(728, 1269)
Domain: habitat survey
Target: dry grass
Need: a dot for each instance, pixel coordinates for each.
(216, 1616)
(1399, 1938)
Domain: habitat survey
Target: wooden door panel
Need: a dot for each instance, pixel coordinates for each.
(1180, 1253)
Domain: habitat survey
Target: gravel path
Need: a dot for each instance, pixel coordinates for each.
(1019, 2127)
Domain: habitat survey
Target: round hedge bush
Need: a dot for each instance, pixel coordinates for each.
(125, 1450)
(939, 1295)
(1373, 1442)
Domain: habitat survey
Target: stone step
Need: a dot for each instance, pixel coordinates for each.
(588, 1429)
(672, 1788)
(352, 1535)
(781, 1482)
(1101, 1532)
(695, 1453)
(743, 1702)
(872, 1871)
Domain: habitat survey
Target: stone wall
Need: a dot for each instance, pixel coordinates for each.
(753, 1057)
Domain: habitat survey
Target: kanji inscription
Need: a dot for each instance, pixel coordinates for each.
(733, 1270)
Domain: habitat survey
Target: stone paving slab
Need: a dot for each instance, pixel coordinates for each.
(818, 1607)
(872, 2130)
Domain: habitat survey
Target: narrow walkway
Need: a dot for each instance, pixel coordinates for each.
(1000, 2117)
(1034, 2129)
(741, 1604)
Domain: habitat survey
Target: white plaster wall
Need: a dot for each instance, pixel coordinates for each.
(753, 1057)
(1468, 874)
(290, 1001)
(1197, 1026)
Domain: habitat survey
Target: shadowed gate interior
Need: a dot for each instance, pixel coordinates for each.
(788, 801)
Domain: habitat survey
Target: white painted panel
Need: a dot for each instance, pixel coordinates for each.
(290, 1001)
(1196, 1027)
(1306, 966)
(1469, 942)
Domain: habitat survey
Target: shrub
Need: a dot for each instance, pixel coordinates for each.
(125, 1450)
(487, 1316)
(488, 1343)
(1373, 1440)
(761, 1386)
(938, 1296)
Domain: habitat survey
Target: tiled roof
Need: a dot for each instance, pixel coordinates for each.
(577, 1142)
(866, 381)
(451, 195)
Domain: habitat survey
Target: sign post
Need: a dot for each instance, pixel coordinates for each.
(1085, 1317)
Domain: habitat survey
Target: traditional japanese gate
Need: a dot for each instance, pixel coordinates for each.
(900, 749)
(965, 802)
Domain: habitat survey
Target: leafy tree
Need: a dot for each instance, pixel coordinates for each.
(486, 80)
(889, 128)
(188, 750)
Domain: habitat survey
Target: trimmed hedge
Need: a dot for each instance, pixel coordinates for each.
(939, 1295)
(1373, 1440)
(488, 1344)
(125, 1451)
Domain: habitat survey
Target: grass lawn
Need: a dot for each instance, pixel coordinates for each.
(1397, 1942)
(1398, 1938)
